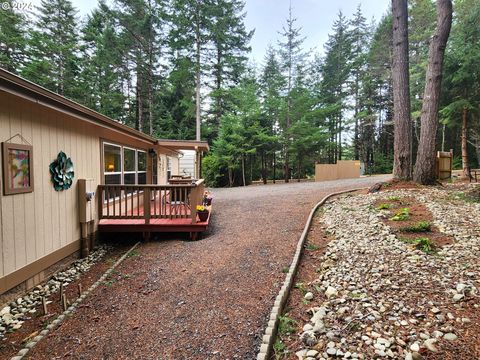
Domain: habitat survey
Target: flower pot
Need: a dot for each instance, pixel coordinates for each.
(203, 215)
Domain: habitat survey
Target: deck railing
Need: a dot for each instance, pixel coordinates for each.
(150, 201)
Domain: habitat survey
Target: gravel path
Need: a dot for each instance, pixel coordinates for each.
(197, 300)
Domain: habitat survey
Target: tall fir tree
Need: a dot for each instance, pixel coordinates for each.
(292, 62)
(101, 64)
(191, 21)
(53, 48)
(228, 48)
(336, 71)
(12, 37)
(359, 37)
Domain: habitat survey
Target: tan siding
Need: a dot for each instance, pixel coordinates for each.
(29, 198)
(35, 225)
(38, 166)
(7, 201)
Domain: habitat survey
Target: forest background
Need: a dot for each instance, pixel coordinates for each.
(160, 65)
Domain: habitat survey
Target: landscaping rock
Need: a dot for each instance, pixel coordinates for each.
(26, 304)
(308, 296)
(385, 297)
(330, 292)
(450, 336)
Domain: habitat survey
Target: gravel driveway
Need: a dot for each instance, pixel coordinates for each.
(207, 299)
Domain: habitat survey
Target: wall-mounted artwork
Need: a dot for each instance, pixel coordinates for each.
(17, 168)
(62, 172)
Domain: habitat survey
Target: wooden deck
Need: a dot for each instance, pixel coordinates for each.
(171, 208)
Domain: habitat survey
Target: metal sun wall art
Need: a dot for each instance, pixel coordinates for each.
(62, 172)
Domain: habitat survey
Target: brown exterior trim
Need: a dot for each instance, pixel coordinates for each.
(18, 86)
(23, 274)
(184, 144)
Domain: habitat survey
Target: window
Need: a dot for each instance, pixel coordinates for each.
(142, 167)
(129, 170)
(112, 155)
(124, 165)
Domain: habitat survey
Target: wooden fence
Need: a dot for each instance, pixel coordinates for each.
(444, 164)
(343, 169)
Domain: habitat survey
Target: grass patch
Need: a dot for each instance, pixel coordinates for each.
(286, 325)
(302, 288)
(394, 198)
(384, 206)
(472, 196)
(279, 349)
(285, 269)
(422, 243)
(402, 215)
(312, 247)
(421, 226)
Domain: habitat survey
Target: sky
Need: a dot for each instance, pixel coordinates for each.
(267, 17)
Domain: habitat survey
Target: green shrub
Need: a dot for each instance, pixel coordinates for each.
(421, 226)
(384, 206)
(286, 325)
(422, 243)
(402, 215)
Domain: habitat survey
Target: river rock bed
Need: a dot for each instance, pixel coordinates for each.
(378, 297)
(18, 311)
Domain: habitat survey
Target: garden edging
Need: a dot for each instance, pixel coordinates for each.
(270, 333)
(55, 323)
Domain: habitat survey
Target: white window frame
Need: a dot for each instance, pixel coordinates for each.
(135, 160)
(122, 171)
(136, 165)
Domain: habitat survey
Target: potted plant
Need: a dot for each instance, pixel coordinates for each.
(202, 212)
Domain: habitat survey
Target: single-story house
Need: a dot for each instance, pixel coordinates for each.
(53, 150)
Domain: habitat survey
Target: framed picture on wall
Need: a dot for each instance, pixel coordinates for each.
(17, 168)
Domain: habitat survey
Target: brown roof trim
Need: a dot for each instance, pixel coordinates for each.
(184, 144)
(19, 86)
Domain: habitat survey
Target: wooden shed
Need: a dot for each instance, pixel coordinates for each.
(42, 218)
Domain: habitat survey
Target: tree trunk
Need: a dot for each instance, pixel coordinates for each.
(426, 161)
(264, 168)
(197, 75)
(299, 168)
(465, 166)
(139, 100)
(401, 93)
(243, 170)
(274, 167)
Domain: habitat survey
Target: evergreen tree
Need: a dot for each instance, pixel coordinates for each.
(12, 38)
(227, 51)
(336, 71)
(424, 171)
(101, 65)
(291, 53)
(272, 83)
(401, 93)
(462, 81)
(142, 24)
(359, 37)
(191, 21)
(53, 49)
